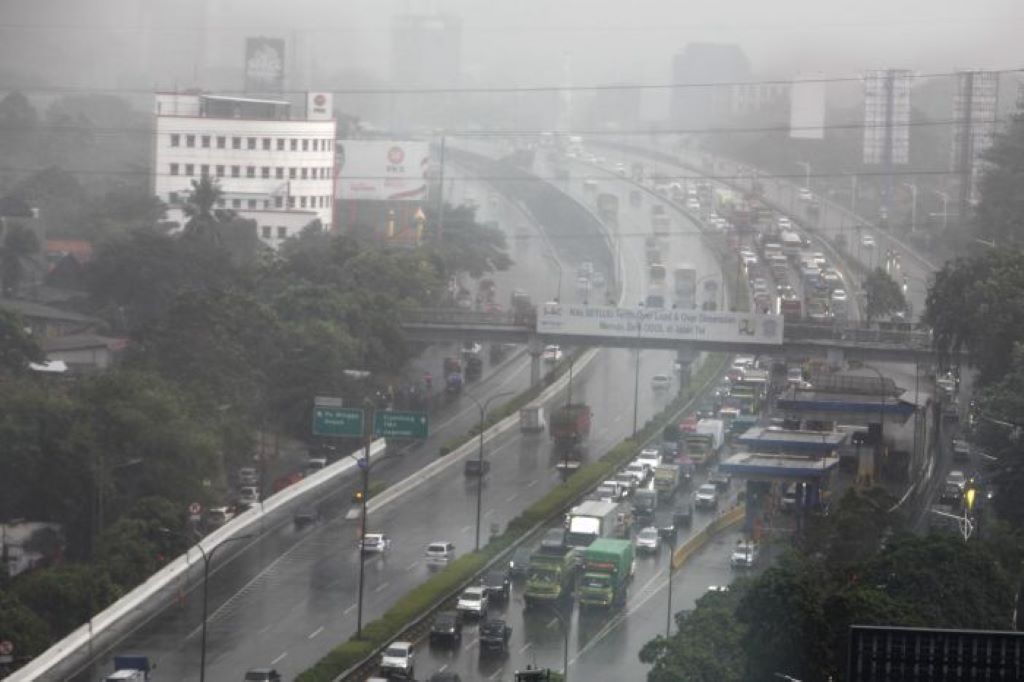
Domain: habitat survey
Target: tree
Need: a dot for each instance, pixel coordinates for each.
(19, 244)
(202, 222)
(883, 294)
(65, 596)
(465, 245)
(1000, 212)
(22, 626)
(17, 348)
(974, 305)
(17, 115)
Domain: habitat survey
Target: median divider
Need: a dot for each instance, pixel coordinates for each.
(697, 541)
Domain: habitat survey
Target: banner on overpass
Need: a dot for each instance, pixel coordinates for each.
(650, 323)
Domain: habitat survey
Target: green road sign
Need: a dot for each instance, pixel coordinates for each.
(400, 424)
(337, 421)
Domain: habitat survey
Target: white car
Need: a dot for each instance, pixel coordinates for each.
(471, 348)
(744, 556)
(397, 659)
(839, 295)
(784, 223)
(867, 241)
(248, 496)
(473, 600)
(649, 457)
(661, 382)
(440, 552)
(693, 204)
(648, 541)
(706, 496)
(376, 543)
(805, 194)
(620, 168)
(956, 477)
(552, 354)
(638, 471)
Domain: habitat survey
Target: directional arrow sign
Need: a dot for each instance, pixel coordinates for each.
(387, 424)
(337, 421)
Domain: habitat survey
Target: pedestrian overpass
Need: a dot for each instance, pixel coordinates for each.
(657, 329)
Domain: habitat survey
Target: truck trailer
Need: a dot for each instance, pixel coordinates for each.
(607, 570)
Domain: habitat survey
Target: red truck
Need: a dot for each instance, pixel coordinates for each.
(569, 425)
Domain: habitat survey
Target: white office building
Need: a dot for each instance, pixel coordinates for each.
(273, 167)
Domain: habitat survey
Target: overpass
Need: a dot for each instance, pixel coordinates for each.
(737, 333)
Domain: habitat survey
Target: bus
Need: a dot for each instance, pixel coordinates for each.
(685, 280)
(791, 243)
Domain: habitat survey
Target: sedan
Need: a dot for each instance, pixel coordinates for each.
(375, 543)
(552, 354)
(473, 601)
(839, 295)
(661, 382)
(706, 496)
(805, 194)
(957, 477)
(648, 541)
(867, 241)
(744, 556)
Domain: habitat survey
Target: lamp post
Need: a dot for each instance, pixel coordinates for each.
(565, 622)
(636, 374)
(480, 457)
(558, 264)
(913, 205)
(207, 559)
(945, 207)
(364, 465)
(671, 568)
(807, 173)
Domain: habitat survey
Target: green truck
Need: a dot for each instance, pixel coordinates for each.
(607, 570)
(551, 575)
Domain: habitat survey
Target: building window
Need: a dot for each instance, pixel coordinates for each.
(236, 203)
(328, 144)
(305, 145)
(266, 231)
(220, 171)
(279, 173)
(174, 169)
(278, 202)
(190, 140)
(235, 171)
(305, 173)
(175, 140)
(205, 141)
(282, 232)
(172, 197)
(251, 143)
(251, 204)
(221, 142)
(236, 143)
(291, 202)
(316, 144)
(190, 169)
(265, 172)
(294, 145)
(280, 144)
(292, 173)
(221, 203)
(266, 203)
(204, 170)
(266, 144)
(302, 202)
(250, 171)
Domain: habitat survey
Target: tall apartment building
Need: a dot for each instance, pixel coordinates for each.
(273, 167)
(707, 75)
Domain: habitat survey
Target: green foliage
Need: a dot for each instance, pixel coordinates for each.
(19, 244)
(17, 348)
(998, 216)
(65, 596)
(21, 626)
(884, 295)
(466, 245)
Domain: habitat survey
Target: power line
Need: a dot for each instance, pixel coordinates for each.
(623, 87)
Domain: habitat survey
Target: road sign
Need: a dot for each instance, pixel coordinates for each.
(388, 424)
(195, 508)
(6, 648)
(337, 421)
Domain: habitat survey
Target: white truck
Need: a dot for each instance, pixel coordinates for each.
(714, 428)
(685, 280)
(531, 418)
(591, 520)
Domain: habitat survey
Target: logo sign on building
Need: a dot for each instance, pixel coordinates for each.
(667, 325)
(264, 65)
(392, 170)
(319, 106)
(388, 424)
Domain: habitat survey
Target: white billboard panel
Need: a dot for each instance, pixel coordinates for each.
(887, 117)
(670, 325)
(383, 170)
(807, 108)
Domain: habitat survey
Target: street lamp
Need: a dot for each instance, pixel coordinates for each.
(671, 568)
(636, 374)
(945, 207)
(480, 457)
(364, 465)
(207, 559)
(566, 624)
(807, 173)
(558, 264)
(913, 205)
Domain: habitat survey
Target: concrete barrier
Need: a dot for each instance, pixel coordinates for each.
(696, 542)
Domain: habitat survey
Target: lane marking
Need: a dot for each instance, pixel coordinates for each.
(470, 644)
(350, 609)
(531, 483)
(412, 565)
(526, 646)
(552, 623)
(381, 587)
(488, 512)
(466, 529)
(279, 659)
(442, 668)
(496, 673)
(315, 632)
(511, 498)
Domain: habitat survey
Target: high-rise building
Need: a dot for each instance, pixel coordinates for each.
(975, 104)
(426, 54)
(719, 68)
(274, 168)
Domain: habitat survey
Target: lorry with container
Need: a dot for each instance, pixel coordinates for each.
(698, 448)
(608, 208)
(666, 480)
(531, 418)
(591, 520)
(569, 427)
(607, 571)
(715, 428)
(551, 573)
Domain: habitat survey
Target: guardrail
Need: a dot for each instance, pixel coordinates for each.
(89, 638)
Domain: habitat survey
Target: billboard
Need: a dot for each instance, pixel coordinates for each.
(264, 65)
(668, 325)
(887, 117)
(383, 170)
(807, 108)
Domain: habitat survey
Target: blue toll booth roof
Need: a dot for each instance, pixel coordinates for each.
(775, 439)
(776, 466)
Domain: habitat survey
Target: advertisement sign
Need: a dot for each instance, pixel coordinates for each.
(807, 108)
(391, 170)
(319, 106)
(264, 65)
(670, 325)
(887, 117)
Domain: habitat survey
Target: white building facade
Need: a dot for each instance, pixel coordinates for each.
(272, 167)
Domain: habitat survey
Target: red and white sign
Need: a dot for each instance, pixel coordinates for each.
(195, 508)
(319, 106)
(383, 170)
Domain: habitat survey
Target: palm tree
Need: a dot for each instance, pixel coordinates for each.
(19, 243)
(203, 221)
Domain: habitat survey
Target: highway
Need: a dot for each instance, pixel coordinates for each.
(290, 595)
